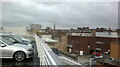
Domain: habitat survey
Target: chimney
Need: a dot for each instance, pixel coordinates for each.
(54, 27)
(118, 32)
(110, 30)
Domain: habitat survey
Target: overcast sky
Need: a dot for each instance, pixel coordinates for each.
(64, 15)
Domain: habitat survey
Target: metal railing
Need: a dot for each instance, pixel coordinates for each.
(45, 54)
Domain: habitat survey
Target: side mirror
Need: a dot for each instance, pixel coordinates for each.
(3, 45)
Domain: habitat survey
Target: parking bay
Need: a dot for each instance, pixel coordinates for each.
(34, 62)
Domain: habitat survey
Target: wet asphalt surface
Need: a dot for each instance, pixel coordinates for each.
(31, 62)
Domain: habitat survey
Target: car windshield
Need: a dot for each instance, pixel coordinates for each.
(7, 41)
(10, 39)
(17, 38)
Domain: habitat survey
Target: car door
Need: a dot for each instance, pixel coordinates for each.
(5, 50)
(0, 49)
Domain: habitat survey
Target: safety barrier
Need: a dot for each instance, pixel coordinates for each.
(45, 54)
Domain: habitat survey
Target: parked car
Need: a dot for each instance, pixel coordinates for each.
(14, 50)
(23, 38)
(56, 51)
(96, 55)
(16, 39)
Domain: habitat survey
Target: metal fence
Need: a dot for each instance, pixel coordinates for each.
(45, 54)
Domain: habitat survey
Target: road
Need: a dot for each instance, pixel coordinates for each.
(32, 62)
(79, 63)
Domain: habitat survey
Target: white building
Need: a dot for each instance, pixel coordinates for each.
(15, 30)
(106, 34)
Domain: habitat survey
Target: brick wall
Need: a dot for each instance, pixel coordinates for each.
(62, 44)
(81, 43)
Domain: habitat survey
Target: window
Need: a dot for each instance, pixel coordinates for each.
(10, 39)
(7, 41)
(1, 44)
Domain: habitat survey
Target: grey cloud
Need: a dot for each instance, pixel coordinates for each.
(65, 15)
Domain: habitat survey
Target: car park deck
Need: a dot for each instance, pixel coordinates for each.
(43, 56)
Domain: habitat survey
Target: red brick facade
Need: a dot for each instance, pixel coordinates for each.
(86, 44)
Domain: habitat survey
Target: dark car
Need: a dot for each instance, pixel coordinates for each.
(56, 51)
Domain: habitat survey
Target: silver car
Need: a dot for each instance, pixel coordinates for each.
(16, 39)
(17, 51)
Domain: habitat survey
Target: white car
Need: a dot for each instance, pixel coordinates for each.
(26, 40)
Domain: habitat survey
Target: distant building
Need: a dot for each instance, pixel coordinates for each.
(35, 26)
(83, 39)
(118, 32)
(103, 30)
(15, 30)
(82, 31)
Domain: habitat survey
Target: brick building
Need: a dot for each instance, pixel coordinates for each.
(83, 39)
(88, 44)
(62, 44)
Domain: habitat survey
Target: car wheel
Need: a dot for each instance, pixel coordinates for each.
(19, 56)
